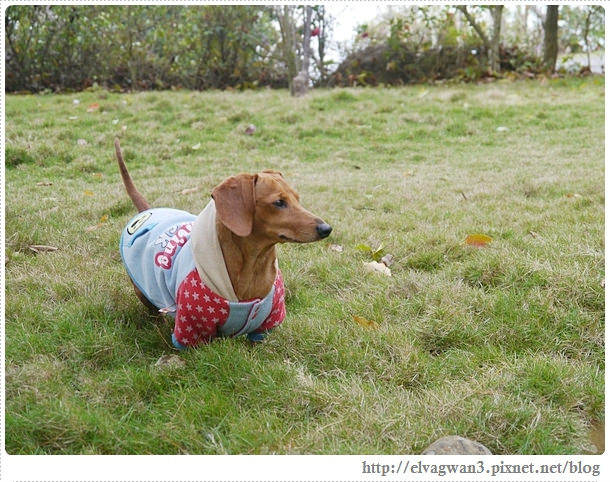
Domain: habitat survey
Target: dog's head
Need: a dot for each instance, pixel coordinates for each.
(265, 206)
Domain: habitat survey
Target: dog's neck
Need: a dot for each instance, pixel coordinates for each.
(251, 265)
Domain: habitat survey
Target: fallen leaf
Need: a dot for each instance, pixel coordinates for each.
(86, 192)
(337, 248)
(82, 142)
(41, 248)
(73, 117)
(170, 361)
(573, 194)
(93, 107)
(44, 183)
(376, 254)
(478, 240)
(364, 322)
(115, 121)
(376, 267)
(365, 248)
(103, 220)
(189, 190)
(76, 101)
(98, 175)
(196, 146)
(533, 234)
(502, 129)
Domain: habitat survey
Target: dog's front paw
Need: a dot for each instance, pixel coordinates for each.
(257, 337)
(177, 344)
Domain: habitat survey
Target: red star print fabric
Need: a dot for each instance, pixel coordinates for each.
(201, 312)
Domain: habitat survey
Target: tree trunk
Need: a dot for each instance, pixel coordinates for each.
(494, 47)
(322, 24)
(287, 31)
(491, 45)
(304, 73)
(586, 38)
(551, 38)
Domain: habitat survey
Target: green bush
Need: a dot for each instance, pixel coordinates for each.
(139, 47)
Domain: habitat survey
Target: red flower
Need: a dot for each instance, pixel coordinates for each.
(315, 32)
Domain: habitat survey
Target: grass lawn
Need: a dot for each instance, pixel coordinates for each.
(503, 344)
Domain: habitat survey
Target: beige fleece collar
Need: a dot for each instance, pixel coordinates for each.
(207, 254)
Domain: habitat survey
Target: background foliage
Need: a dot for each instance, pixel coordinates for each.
(139, 47)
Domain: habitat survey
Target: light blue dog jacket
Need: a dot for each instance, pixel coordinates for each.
(156, 250)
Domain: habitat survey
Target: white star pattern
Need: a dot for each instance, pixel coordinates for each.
(201, 311)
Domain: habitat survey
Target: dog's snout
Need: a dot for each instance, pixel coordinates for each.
(324, 230)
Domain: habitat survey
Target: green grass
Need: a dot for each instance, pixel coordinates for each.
(502, 344)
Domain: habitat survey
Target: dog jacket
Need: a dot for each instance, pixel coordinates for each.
(157, 250)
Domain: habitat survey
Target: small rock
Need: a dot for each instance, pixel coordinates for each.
(170, 361)
(376, 267)
(456, 445)
(250, 130)
(388, 259)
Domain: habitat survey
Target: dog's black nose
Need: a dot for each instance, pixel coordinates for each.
(324, 230)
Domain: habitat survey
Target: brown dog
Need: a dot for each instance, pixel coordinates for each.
(173, 257)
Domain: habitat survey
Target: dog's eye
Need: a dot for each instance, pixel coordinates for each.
(280, 203)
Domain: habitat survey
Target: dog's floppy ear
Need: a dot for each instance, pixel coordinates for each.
(235, 203)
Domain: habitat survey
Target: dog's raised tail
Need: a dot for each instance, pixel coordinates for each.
(134, 194)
